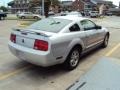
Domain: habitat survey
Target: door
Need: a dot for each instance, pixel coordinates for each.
(91, 32)
(28, 15)
(101, 34)
(77, 32)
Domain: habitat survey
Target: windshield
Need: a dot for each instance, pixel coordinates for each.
(50, 24)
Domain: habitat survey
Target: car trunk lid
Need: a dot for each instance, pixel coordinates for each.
(27, 37)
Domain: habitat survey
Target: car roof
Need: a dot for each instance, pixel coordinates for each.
(71, 17)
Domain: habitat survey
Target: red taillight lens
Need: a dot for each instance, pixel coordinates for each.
(13, 38)
(41, 45)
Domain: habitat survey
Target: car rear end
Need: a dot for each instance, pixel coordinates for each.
(94, 13)
(32, 46)
(38, 42)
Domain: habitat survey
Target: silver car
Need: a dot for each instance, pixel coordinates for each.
(75, 13)
(28, 15)
(57, 40)
(94, 14)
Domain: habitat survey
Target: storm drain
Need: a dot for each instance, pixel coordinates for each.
(105, 75)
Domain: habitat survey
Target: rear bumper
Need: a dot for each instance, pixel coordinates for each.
(40, 58)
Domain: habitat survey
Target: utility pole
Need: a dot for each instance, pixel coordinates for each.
(43, 7)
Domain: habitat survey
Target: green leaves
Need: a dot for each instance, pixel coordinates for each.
(3, 8)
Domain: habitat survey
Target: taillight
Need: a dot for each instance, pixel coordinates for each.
(13, 38)
(41, 45)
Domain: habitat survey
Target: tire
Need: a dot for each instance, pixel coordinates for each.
(22, 17)
(35, 17)
(105, 42)
(73, 59)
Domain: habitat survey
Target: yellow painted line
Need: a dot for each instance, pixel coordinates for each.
(113, 50)
(13, 73)
(22, 26)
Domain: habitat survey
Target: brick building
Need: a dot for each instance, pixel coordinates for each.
(82, 5)
(66, 5)
(24, 6)
(88, 5)
(19, 6)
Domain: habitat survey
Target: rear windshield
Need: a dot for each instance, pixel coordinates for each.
(50, 24)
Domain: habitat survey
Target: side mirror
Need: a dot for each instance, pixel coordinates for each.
(98, 27)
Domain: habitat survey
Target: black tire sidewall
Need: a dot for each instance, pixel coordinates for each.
(35, 17)
(23, 17)
(104, 42)
(67, 64)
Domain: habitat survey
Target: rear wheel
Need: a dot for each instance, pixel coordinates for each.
(35, 17)
(105, 42)
(72, 59)
(23, 17)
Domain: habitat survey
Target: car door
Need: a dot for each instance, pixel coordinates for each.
(28, 15)
(78, 32)
(31, 15)
(91, 32)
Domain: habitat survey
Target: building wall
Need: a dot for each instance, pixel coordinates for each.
(66, 5)
(55, 9)
(20, 6)
(23, 6)
(78, 5)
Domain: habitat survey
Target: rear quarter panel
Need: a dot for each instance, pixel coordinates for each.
(62, 44)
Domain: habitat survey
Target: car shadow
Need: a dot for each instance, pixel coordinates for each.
(88, 54)
(41, 74)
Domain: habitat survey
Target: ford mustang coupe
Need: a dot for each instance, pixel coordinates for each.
(57, 40)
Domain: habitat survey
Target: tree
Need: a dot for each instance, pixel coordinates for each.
(11, 3)
(38, 3)
(55, 2)
(3, 8)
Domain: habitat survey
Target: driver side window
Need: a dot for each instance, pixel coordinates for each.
(87, 25)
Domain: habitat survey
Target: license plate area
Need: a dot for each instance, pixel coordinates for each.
(24, 41)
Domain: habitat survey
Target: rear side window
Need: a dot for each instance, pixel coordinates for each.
(74, 28)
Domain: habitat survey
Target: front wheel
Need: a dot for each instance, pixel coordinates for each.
(72, 59)
(105, 42)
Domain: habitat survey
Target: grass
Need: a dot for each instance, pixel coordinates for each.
(15, 18)
(26, 23)
(11, 18)
(22, 22)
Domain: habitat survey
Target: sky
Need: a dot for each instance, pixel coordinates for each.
(4, 2)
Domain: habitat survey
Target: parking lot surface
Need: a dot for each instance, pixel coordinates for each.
(16, 74)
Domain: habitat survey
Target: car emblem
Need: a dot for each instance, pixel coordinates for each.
(23, 41)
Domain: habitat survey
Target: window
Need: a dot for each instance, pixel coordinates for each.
(75, 27)
(87, 6)
(27, 13)
(50, 24)
(88, 25)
